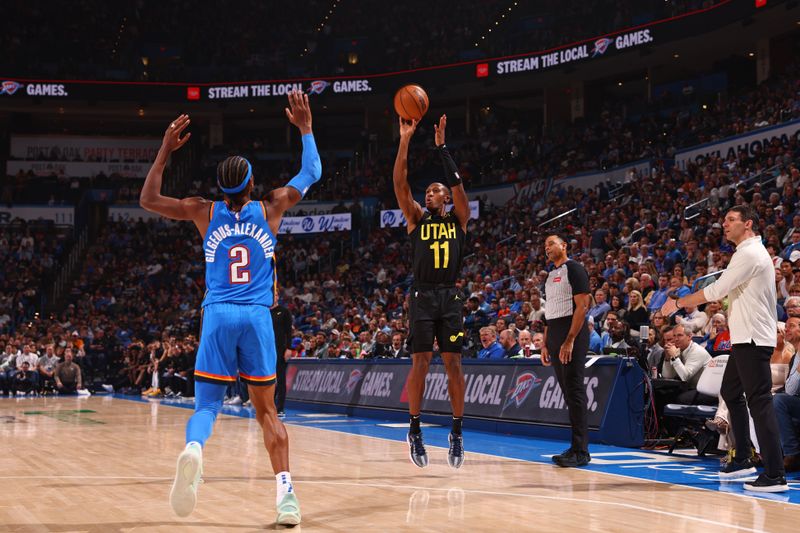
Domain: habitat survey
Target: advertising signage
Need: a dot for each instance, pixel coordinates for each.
(572, 54)
(658, 32)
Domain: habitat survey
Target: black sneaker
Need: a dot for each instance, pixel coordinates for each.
(764, 483)
(416, 449)
(735, 469)
(455, 455)
(571, 458)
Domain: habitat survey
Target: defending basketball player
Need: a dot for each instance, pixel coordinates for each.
(435, 307)
(239, 237)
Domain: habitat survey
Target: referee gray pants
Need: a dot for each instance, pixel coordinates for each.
(748, 374)
(570, 377)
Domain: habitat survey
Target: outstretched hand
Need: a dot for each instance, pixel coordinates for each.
(299, 111)
(407, 128)
(172, 137)
(439, 129)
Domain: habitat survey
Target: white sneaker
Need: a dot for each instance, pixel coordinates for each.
(108, 388)
(84, 392)
(183, 496)
(234, 401)
(248, 403)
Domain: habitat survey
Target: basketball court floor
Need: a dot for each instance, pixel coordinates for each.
(105, 464)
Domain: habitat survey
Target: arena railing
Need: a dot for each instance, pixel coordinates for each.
(762, 178)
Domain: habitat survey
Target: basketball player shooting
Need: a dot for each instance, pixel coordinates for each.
(237, 339)
(435, 306)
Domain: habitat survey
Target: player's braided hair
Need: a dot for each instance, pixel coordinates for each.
(230, 173)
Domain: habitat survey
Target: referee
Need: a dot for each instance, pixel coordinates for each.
(566, 336)
(749, 282)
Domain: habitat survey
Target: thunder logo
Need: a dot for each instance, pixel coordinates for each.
(600, 46)
(352, 381)
(318, 86)
(9, 87)
(522, 388)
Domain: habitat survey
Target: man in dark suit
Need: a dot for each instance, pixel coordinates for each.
(397, 348)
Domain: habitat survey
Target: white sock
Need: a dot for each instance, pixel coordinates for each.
(196, 444)
(284, 480)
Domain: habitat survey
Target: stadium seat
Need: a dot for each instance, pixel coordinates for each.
(693, 417)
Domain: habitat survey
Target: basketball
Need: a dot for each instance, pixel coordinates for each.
(411, 102)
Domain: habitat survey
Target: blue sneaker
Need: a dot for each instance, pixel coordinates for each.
(416, 449)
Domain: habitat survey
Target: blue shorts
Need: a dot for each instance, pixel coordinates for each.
(236, 340)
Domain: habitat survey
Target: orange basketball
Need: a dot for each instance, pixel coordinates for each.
(411, 102)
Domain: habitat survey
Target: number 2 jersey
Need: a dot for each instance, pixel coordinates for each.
(239, 250)
(438, 248)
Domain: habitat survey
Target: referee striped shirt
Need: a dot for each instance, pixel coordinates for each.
(563, 283)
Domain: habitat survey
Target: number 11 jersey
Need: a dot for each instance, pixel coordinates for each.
(239, 250)
(438, 247)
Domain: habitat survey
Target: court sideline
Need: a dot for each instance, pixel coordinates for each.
(106, 464)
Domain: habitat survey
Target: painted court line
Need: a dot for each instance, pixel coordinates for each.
(623, 505)
(543, 497)
(541, 460)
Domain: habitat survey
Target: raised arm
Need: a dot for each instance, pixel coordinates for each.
(283, 198)
(194, 208)
(411, 209)
(451, 176)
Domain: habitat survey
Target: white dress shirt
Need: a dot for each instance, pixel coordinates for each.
(749, 282)
(688, 365)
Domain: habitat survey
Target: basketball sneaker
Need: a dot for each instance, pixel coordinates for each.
(416, 449)
(183, 496)
(289, 511)
(734, 469)
(572, 458)
(764, 483)
(455, 455)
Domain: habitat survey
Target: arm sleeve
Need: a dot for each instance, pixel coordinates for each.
(578, 278)
(311, 168)
(739, 271)
(287, 329)
(451, 177)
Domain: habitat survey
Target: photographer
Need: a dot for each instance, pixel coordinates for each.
(68, 375)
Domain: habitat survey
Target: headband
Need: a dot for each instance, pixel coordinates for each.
(242, 185)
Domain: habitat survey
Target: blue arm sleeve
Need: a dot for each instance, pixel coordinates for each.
(311, 168)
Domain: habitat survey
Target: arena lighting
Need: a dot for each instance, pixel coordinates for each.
(497, 22)
(119, 36)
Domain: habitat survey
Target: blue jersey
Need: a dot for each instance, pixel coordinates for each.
(240, 256)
